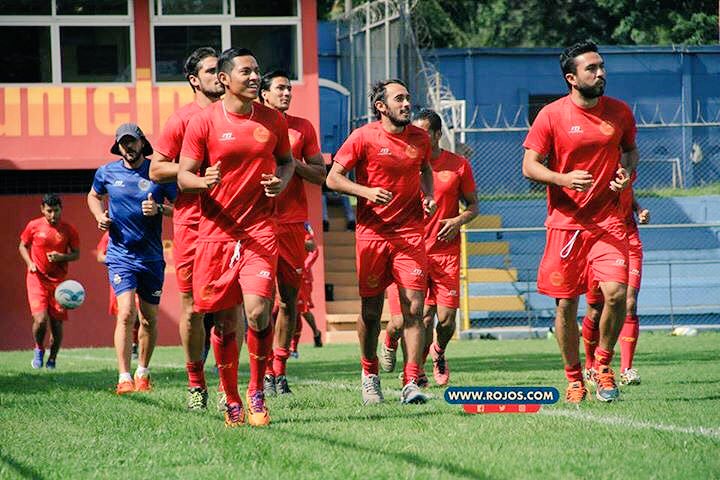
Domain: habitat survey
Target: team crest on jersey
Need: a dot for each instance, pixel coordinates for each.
(185, 273)
(207, 292)
(59, 237)
(444, 175)
(117, 279)
(261, 134)
(293, 136)
(411, 151)
(144, 184)
(606, 128)
(556, 279)
(373, 281)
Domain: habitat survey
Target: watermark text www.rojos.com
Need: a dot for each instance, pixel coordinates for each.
(502, 399)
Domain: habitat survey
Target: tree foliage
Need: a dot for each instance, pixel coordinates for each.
(554, 23)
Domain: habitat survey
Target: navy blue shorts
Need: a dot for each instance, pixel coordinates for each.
(145, 278)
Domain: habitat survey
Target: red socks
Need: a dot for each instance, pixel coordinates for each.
(280, 360)
(370, 367)
(591, 335)
(269, 364)
(226, 353)
(259, 346)
(573, 373)
(628, 341)
(412, 371)
(196, 374)
(390, 342)
(602, 357)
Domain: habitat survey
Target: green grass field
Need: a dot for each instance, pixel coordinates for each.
(70, 424)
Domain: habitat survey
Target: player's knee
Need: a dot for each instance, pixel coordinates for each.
(41, 320)
(615, 296)
(631, 306)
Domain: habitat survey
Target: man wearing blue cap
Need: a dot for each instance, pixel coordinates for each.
(135, 254)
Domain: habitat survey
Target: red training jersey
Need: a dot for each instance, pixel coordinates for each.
(590, 139)
(246, 145)
(102, 245)
(44, 238)
(291, 205)
(393, 162)
(452, 180)
(169, 144)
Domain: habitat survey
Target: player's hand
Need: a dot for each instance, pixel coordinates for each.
(621, 180)
(644, 216)
(212, 175)
(579, 180)
(104, 221)
(54, 257)
(149, 206)
(449, 228)
(32, 268)
(380, 196)
(429, 206)
(273, 185)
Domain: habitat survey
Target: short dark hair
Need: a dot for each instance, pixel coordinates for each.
(267, 79)
(432, 117)
(567, 57)
(226, 59)
(378, 91)
(51, 200)
(192, 64)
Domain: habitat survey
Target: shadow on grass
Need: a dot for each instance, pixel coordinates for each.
(20, 469)
(393, 456)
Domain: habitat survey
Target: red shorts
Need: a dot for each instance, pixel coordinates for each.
(382, 262)
(223, 271)
(443, 284)
(291, 254)
(635, 255)
(41, 297)
(184, 246)
(571, 255)
(304, 301)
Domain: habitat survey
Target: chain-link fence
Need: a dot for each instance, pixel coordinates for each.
(678, 181)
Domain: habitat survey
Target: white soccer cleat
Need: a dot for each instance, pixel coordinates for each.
(629, 376)
(371, 391)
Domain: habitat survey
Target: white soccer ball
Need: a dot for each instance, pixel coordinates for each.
(70, 294)
(685, 332)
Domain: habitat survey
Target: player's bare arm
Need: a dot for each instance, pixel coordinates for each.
(426, 184)
(25, 254)
(451, 226)
(57, 257)
(628, 161)
(96, 204)
(163, 169)
(642, 213)
(312, 170)
(337, 180)
(533, 169)
(276, 183)
(190, 182)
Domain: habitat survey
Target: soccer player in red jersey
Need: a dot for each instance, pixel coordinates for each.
(453, 182)
(305, 303)
(236, 255)
(201, 72)
(47, 244)
(631, 328)
(291, 211)
(589, 142)
(394, 185)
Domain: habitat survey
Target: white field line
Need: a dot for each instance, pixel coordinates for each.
(707, 432)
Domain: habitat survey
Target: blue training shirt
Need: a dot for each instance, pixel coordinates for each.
(133, 236)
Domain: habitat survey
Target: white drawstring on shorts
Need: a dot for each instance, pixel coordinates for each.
(569, 246)
(236, 255)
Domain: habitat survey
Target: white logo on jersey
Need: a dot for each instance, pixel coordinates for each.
(226, 136)
(264, 274)
(576, 129)
(384, 151)
(157, 293)
(144, 184)
(417, 272)
(453, 293)
(119, 183)
(117, 279)
(619, 261)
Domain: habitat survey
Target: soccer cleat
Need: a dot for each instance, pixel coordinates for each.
(197, 399)
(125, 387)
(589, 376)
(318, 340)
(143, 384)
(629, 376)
(221, 399)
(371, 391)
(234, 415)
(50, 364)
(294, 354)
(38, 356)
(269, 385)
(134, 353)
(605, 388)
(411, 393)
(387, 357)
(281, 385)
(441, 370)
(258, 415)
(575, 393)
(423, 381)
